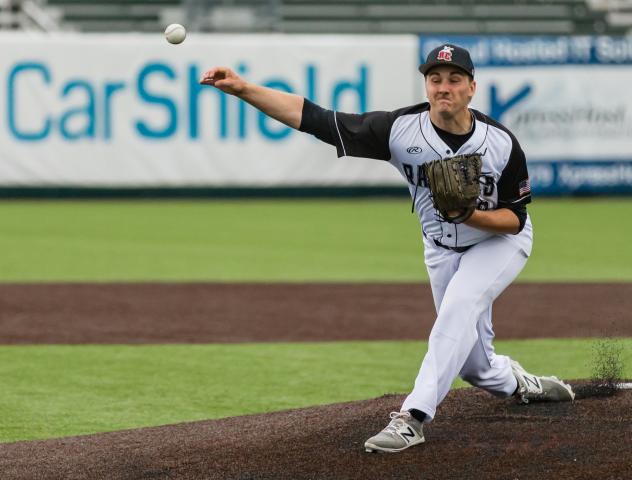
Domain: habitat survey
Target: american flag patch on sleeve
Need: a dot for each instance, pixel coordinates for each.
(524, 187)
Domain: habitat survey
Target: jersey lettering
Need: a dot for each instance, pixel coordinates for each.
(408, 171)
(489, 192)
(488, 185)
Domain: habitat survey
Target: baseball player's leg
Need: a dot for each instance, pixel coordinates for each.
(404, 430)
(483, 273)
(502, 376)
(441, 265)
(483, 367)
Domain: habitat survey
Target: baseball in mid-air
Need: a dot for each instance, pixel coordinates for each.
(175, 33)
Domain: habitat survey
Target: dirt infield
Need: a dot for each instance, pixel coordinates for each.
(203, 313)
(475, 436)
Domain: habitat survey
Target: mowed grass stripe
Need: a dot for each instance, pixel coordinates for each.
(292, 240)
(209, 241)
(53, 391)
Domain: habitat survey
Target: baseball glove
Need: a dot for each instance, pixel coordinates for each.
(454, 185)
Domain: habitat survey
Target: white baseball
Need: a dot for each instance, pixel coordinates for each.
(175, 33)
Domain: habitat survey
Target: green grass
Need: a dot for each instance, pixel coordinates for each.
(208, 240)
(581, 240)
(51, 391)
(302, 240)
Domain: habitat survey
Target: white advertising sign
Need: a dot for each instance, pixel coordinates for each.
(566, 99)
(127, 110)
(560, 113)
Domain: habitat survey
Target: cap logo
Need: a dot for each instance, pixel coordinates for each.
(445, 54)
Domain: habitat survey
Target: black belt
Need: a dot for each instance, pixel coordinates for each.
(454, 249)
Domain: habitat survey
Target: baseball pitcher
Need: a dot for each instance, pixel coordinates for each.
(468, 181)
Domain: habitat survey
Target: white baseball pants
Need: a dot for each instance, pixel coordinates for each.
(464, 286)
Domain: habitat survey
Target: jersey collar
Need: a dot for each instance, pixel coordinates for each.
(474, 144)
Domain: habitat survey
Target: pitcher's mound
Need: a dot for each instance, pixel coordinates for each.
(475, 436)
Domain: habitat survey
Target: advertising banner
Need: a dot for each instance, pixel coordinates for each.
(115, 111)
(127, 110)
(565, 100)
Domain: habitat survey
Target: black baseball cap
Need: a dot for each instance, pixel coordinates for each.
(448, 54)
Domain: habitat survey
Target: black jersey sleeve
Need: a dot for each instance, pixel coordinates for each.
(357, 135)
(521, 212)
(317, 121)
(514, 188)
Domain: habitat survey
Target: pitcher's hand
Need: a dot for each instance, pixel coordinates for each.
(224, 79)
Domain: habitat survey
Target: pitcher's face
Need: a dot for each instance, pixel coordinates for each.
(449, 90)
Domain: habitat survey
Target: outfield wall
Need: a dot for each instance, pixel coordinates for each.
(126, 111)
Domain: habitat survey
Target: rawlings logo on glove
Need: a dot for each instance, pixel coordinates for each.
(454, 185)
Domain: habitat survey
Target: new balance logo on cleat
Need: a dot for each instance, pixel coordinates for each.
(408, 433)
(532, 381)
(402, 432)
(532, 388)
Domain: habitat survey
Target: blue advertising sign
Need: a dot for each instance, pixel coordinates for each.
(573, 120)
(528, 50)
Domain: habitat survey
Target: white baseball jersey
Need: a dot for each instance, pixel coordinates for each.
(407, 139)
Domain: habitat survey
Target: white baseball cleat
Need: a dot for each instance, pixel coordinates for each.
(402, 432)
(532, 388)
